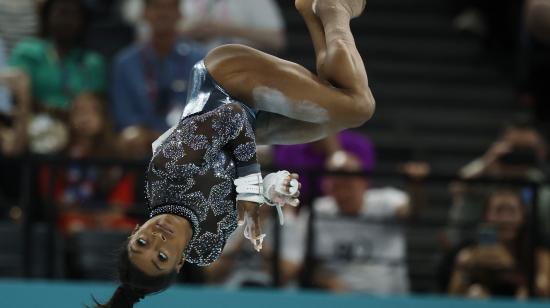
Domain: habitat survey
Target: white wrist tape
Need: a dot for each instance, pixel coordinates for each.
(271, 190)
(250, 188)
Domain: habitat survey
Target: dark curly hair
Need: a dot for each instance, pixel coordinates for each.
(46, 9)
(134, 283)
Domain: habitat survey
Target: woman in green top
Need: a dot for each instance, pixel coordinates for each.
(58, 66)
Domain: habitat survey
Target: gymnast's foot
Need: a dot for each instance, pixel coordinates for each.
(353, 7)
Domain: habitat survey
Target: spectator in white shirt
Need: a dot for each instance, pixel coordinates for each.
(256, 23)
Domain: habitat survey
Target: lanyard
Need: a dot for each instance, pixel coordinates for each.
(161, 96)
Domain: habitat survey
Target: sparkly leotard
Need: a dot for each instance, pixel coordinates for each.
(193, 166)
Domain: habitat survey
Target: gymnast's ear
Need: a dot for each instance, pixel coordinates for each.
(180, 265)
(135, 230)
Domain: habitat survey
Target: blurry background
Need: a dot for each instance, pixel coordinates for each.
(444, 191)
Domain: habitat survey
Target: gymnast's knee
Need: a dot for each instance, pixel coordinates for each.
(364, 107)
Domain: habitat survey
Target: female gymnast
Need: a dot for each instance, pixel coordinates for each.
(239, 97)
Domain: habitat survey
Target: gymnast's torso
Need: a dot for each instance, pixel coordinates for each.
(194, 165)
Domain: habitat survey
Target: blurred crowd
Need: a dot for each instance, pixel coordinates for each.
(102, 79)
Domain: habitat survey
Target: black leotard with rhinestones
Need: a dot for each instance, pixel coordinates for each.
(192, 170)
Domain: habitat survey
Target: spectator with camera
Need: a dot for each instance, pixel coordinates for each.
(497, 263)
(520, 153)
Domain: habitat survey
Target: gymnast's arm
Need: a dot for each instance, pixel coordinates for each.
(242, 148)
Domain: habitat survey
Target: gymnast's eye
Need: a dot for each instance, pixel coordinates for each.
(141, 242)
(163, 257)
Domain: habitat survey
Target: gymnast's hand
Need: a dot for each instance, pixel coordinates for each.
(283, 192)
(249, 215)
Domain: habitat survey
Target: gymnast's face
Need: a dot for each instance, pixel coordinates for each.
(156, 248)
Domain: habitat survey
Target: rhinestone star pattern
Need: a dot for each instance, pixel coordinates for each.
(191, 175)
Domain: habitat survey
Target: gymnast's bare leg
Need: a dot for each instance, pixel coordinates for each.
(301, 106)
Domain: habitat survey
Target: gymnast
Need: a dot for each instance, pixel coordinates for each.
(204, 180)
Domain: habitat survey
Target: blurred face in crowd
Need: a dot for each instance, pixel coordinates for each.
(348, 191)
(162, 16)
(65, 20)
(87, 117)
(505, 211)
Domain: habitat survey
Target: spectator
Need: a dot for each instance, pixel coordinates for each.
(520, 152)
(57, 64)
(150, 78)
(313, 156)
(89, 196)
(374, 260)
(257, 23)
(18, 20)
(497, 264)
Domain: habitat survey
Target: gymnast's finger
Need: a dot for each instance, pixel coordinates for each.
(255, 215)
(294, 202)
(241, 210)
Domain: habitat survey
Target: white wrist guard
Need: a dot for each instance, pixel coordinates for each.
(271, 190)
(250, 188)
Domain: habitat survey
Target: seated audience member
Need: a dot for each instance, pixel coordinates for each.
(313, 157)
(373, 259)
(256, 23)
(497, 264)
(90, 196)
(58, 66)
(149, 85)
(520, 152)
